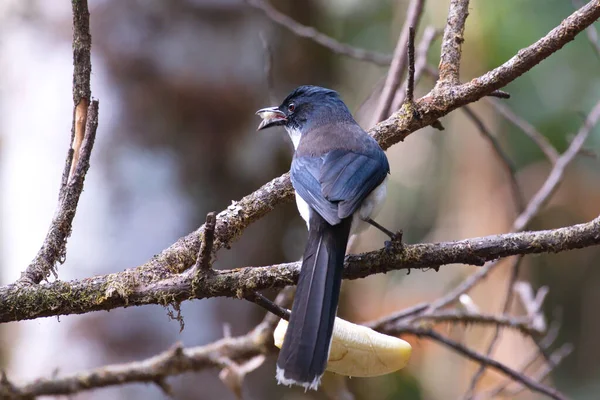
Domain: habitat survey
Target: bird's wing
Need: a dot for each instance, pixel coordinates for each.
(305, 174)
(348, 178)
(335, 184)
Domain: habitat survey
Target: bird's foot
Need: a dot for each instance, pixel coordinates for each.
(395, 243)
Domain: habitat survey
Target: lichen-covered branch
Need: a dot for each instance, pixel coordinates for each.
(128, 288)
(83, 133)
(452, 41)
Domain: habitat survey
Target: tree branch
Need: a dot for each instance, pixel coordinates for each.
(452, 41)
(488, 362)
(522, 324)
(83, 133)
(540, 140)
(128, 288)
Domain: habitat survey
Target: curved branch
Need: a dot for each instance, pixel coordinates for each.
(126, 288)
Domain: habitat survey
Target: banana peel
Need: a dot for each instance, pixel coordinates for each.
(359, 351)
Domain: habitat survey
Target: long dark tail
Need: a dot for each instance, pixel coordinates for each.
(305, 350)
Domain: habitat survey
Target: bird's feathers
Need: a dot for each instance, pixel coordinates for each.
(305, 350)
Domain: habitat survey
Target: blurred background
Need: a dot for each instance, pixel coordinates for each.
(178, 84)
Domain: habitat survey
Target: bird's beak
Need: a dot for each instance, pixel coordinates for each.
(271, 116)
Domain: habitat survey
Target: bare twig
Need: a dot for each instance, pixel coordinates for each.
(83, 133)
(488, 362)
(539, 139)
(205, 254)
(429, 35)
(128, 288)
(504, 159)
(410, 80)
(268, 305)
(399, 63)
(555, 358)
(391, 325)
(592, 34)
(542, 347)
(381, 323)
(452, 41)
(308, 32)
(507, 301)
(555, 177)
(532, 303)
(53, 249)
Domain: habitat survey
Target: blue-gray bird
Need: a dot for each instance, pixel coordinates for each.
(339, 174)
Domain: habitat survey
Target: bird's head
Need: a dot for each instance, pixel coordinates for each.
(304, 108)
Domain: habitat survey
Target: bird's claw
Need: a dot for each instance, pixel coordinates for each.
(395, 242)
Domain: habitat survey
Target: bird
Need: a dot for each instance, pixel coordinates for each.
(339, 174)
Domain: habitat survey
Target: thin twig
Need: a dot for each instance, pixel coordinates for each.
(591, 32)
(392, 325)
(53, 249)
(397, 316)
(504, 159)
(452, 41)
(542, 346)
(410, 80)
(429, 35)
(83, 133)
(539, 139)
(507, 301)
(556, 358)
(556, 176)
(399, 63)
(268, 305)
(490, 363)
(592, 35)
(308, 32)
(205, 254)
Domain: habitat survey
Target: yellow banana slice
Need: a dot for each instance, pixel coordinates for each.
(359, 351)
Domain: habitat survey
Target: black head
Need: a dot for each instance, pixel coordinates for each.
(305, 107)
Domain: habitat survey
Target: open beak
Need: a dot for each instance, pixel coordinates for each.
(271, 116)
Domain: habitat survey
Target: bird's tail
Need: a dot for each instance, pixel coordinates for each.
(305, 350)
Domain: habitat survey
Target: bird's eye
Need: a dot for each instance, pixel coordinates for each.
(291, 107)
